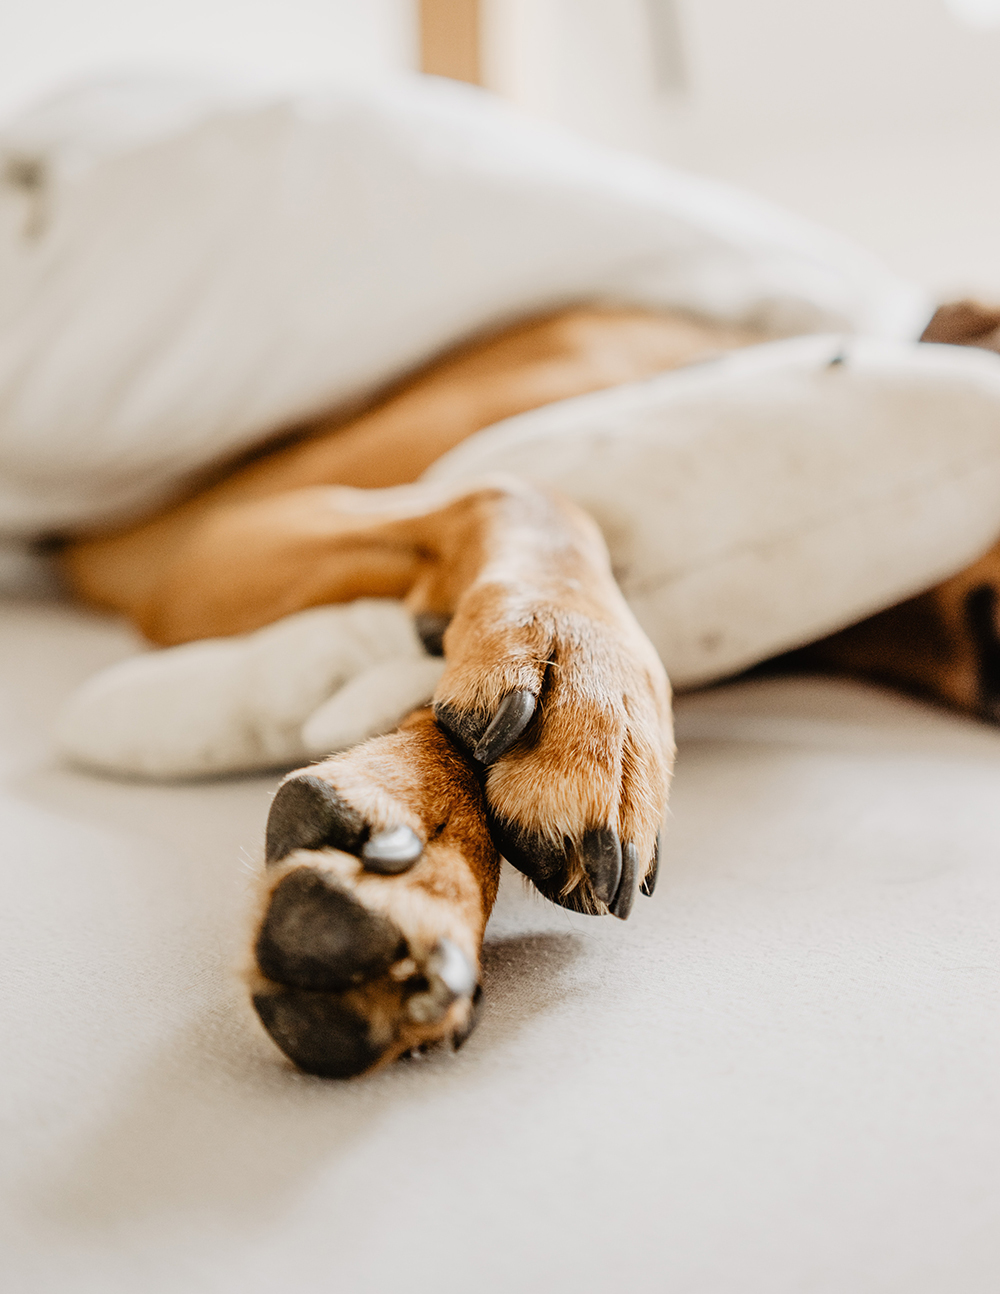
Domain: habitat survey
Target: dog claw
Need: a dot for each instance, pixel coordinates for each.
(307, 813)
(451, 966)
(532, 855)
(602, 861)
(318, 936)
(621, 904)
(450, 976)
(649, 881)
(393, 851)
(512, 717)
(431, 629)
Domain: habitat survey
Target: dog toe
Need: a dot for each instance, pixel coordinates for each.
(307, 813)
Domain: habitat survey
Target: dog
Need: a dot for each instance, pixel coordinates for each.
(549, 741)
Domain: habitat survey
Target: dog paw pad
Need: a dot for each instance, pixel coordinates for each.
(320, 1033)
(318, 936)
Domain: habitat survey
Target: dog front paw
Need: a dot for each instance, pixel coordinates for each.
(567, 706)
(380, 877)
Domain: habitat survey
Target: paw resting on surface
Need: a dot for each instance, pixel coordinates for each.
(321, 680)
(569, 713)
(380, 877)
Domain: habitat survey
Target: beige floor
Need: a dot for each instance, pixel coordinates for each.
(779, 1077)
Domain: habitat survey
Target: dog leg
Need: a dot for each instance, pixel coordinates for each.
(549, 682)
(965, 323)
(943, 645)
(551, 685)
(379, 881)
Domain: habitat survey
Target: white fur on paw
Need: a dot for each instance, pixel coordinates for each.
(371, 703)
(229, 705)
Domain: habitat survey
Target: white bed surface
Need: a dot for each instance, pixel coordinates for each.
(780, 1076)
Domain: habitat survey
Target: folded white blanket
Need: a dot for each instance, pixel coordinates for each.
(186, 267)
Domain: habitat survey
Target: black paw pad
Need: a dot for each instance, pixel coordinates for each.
(307, 813)
(317, 936)
(547, 865)
(539, 859)
(319, 1033)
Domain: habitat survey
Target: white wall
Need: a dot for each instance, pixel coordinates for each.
(42, 42)
(877, 117)
(880, 117)
(756, 69)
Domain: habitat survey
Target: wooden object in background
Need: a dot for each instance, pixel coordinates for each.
(449, 39)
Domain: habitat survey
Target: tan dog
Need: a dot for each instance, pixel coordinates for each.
(550, 739)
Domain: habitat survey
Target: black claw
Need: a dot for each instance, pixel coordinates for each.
(319, 1033)
(450, 965)
(431, 630)
(466, 727)
(317, 936)
(981, 616)
(512, 717)
(547, 864)
(448, 975)
(307, 813)
(393, 851)
(649, 882)
(621, 904)
(488, 740)
(602, 861)
(538, 858)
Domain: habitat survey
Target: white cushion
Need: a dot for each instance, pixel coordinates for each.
(185, 268)
(760, 501)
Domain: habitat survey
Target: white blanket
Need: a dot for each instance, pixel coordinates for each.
(185, 268)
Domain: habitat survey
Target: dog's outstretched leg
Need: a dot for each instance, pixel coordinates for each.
(380, 877)
(550, 686)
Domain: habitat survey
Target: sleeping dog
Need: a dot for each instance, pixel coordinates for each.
(549, 739)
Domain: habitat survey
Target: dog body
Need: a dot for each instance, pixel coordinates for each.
(550, 738)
